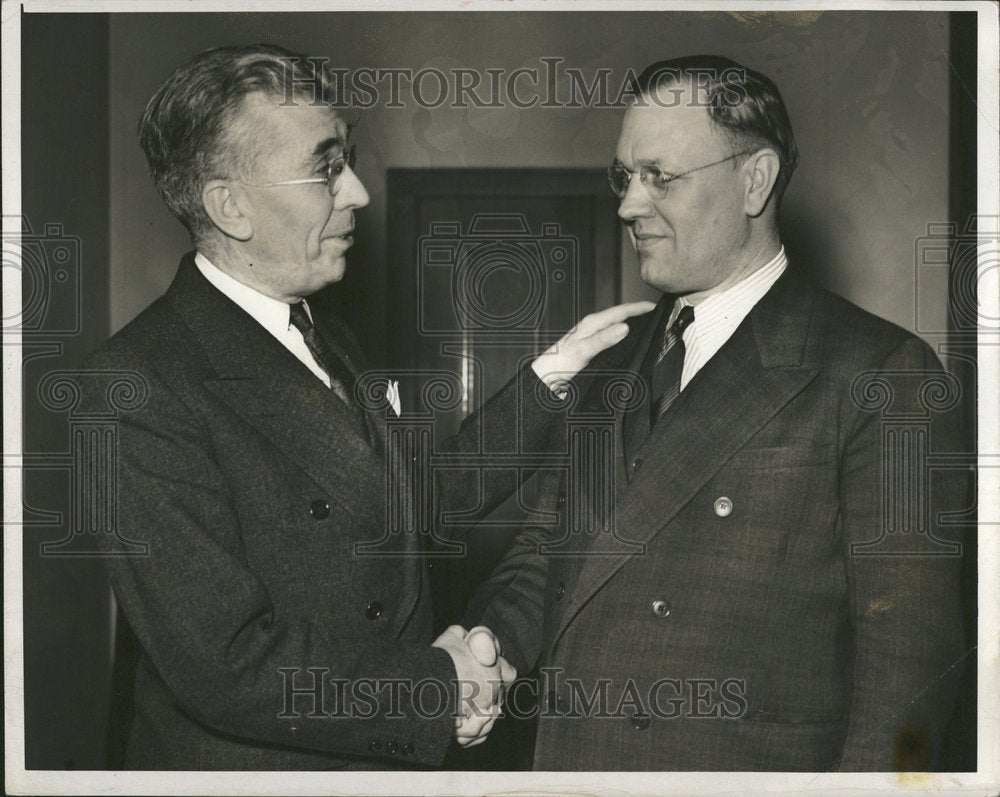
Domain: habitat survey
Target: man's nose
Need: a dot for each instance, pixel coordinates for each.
(636, 201)
(351, 193)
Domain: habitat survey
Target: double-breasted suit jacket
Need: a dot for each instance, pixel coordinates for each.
(252, 485)
(750, 615)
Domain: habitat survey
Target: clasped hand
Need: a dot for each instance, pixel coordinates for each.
(483, 677)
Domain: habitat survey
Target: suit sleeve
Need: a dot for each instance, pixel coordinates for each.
(511, 602)
(208, 624)
(905, 609)
(523, 418)
(517, 422)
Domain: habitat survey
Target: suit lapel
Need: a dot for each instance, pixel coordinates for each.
(342, 344)
(756, 373)
(276, 394)
(633, 425)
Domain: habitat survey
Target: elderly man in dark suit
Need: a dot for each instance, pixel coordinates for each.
(740, 608)
(269, 640)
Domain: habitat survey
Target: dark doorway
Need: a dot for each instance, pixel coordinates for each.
(488, 267)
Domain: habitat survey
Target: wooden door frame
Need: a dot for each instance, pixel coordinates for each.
(405, 188)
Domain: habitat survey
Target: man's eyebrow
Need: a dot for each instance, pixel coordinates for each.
(325, 146)
(653, 163)
(657, 164)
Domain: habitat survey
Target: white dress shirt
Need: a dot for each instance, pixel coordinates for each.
(717, 316)
(272, 314)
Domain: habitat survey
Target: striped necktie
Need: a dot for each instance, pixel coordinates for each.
(341, 378)
(666, 379)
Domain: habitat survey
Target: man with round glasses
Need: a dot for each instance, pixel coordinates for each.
(762, 595)
(252, 474)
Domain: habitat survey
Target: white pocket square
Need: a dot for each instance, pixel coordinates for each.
(392, 396)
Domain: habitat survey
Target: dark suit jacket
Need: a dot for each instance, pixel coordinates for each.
(252, 483)
(745, 632)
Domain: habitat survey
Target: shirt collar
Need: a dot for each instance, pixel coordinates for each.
(748, 290)
(270, 313)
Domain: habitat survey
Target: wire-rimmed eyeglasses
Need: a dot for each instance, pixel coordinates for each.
(656, 182)
(334, 172)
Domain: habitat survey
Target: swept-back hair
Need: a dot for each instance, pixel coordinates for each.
(184, 130)
(743, 104)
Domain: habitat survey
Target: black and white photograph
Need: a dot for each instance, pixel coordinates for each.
(501, 396)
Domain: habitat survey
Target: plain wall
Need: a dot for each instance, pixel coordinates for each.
(867, 93)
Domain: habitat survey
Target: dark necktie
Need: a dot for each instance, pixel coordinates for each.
(341, 378)
(666, 379)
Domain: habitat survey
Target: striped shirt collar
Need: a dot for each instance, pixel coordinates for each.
(717, 316)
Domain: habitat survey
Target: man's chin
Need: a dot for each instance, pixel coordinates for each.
(333, 270)
(655, 275)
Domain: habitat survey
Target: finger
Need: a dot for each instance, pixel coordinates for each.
(471, 741)
(476, 742)
(453, 633)
(471, 729)
(485, 730)
(604, 338)
(613, 315)
(468, 737)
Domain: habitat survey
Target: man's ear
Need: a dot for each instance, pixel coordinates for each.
(763, 167)
(224, 207)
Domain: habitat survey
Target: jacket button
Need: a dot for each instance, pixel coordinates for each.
(561, 499)
(374, 745)
(319, 509)
(640, 721)
(560, 591)
(660, 609)
(390, 748)
(637, 463)
(407, 749)
(723, 506)
(373, 610)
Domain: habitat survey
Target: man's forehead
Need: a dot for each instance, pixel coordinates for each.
(668, 123)
(298, 118)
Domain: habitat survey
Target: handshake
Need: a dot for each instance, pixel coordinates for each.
(483, 677)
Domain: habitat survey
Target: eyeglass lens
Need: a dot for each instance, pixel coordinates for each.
(336, 169)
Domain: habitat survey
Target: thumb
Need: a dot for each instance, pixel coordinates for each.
(483, 646)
